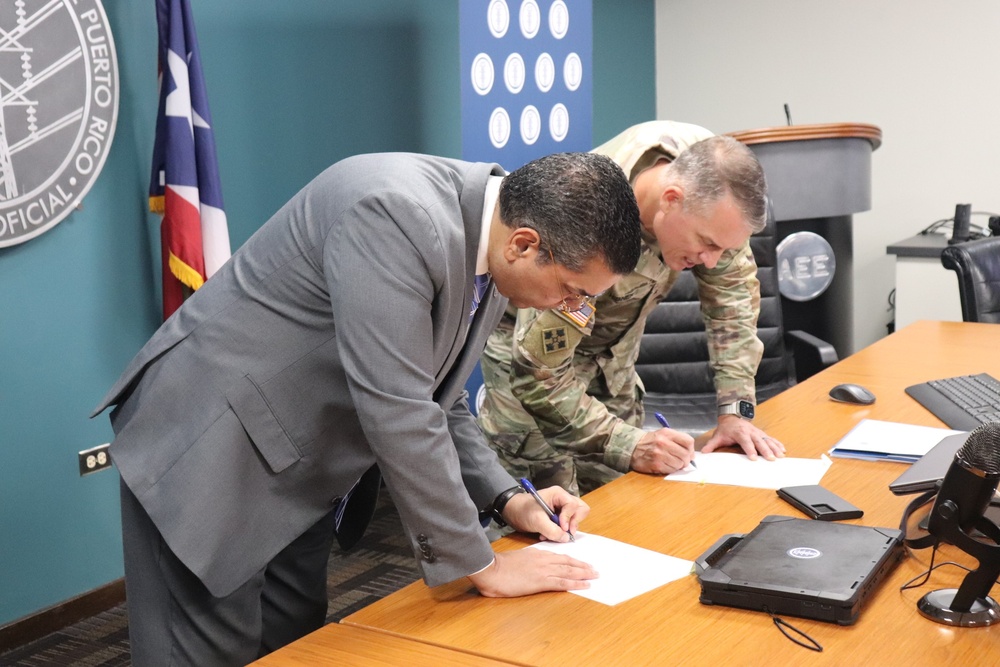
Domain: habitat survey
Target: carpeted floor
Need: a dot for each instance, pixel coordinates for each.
(381, 564)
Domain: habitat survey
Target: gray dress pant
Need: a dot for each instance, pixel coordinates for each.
(174, 620)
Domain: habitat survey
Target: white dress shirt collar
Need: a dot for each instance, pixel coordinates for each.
(489, 204)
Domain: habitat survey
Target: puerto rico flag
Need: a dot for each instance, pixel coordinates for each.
(184, 185)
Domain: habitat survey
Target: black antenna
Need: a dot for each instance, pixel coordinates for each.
(788, 114)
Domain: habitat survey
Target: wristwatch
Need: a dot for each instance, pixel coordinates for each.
(743, 409)
(495, 511)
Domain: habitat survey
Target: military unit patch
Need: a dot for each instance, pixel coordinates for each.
(555, 339)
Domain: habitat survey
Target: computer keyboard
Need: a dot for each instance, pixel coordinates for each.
(962, 402)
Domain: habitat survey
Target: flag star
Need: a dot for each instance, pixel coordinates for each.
(179, 99)
(198, 120)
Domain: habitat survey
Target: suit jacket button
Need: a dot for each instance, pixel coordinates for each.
(421, 538)
(336, 501)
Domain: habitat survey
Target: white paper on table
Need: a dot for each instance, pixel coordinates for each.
(738, 470)
(625, 570)
(874, 439)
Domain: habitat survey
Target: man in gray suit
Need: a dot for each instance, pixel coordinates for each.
(339, 336)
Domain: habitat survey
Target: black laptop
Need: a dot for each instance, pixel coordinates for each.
(925, 473)
(821, 570)
(928, 471)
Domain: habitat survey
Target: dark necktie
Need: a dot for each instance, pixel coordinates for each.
(480, 284)
(355, 511)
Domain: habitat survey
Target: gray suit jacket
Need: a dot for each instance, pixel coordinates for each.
(337, 336)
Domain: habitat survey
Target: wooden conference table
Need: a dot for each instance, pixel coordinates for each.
(669, 626)
(338, 644)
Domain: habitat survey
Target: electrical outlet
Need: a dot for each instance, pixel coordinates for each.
(94, 459)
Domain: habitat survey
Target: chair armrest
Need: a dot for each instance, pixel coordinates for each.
(810, 353)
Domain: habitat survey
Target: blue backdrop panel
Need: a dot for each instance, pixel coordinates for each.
(527, 85)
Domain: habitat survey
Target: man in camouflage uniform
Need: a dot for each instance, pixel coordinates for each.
(563, 403)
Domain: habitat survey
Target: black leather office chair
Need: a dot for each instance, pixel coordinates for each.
(673, 354)
(977, 264)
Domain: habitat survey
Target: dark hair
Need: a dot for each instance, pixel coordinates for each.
(712, 167)
(581, 205)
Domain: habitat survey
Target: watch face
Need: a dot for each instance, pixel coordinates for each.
(746, 409)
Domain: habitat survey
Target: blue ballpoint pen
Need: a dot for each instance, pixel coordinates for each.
(530, 488)
(665, 424)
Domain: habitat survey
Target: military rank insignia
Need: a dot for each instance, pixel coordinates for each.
(554, 339)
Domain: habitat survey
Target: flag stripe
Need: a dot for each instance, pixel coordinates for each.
(182, 232)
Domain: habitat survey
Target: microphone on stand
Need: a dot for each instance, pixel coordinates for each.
(961, 503)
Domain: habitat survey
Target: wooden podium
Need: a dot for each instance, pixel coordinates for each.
(818, 176)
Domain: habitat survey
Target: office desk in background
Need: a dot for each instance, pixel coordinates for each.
(925, 290)
(669, 626)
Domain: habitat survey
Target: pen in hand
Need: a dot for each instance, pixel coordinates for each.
(530, 488)
(665, 424)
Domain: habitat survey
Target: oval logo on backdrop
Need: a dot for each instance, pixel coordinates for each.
(804, 552)
(59, 106)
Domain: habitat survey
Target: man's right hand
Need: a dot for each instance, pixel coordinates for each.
(662, 452)
(529, 571)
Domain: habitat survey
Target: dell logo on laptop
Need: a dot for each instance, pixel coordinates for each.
(804, 552)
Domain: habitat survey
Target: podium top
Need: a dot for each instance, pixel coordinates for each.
(816, 131)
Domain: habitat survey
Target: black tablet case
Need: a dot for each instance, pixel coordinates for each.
(814, 569)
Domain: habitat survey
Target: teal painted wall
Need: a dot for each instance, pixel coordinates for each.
(293, 87)
(624, 65)
(75, 304)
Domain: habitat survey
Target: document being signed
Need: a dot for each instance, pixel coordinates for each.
(625, 570)
(738, 470)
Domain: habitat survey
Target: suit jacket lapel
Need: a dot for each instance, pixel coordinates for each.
(483, 323)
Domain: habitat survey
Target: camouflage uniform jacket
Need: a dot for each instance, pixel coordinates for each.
(572, 376)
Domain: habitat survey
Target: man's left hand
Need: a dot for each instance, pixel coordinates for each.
(733, 430)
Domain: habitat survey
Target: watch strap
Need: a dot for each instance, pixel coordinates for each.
(496, 509)
(743, 409)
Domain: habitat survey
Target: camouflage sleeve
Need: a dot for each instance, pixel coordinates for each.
(730, 305)
(553, 390)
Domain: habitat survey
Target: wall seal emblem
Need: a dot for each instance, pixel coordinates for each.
(58, 110)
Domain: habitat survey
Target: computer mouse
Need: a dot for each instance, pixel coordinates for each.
(852, 393)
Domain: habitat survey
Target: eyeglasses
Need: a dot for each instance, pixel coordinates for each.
(573, 302)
